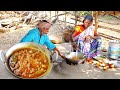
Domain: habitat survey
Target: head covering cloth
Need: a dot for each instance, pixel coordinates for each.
(44, 24)
(88, 17)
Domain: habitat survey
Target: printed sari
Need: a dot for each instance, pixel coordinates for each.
(91, 48)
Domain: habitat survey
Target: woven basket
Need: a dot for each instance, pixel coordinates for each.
(67, 35)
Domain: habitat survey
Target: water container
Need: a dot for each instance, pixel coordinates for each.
(114, 49)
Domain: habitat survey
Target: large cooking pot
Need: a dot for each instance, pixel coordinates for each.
(5, 56)
(75, 58)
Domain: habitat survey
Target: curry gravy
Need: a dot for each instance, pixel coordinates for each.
(28, 63)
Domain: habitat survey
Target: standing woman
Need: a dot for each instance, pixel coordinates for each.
(39, 35)
(86, 39)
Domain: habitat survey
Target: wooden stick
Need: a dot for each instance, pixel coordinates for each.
(57, 14)
(65, 17)
(92, 13)
(75, 17)
(50, 14)
(96, 20)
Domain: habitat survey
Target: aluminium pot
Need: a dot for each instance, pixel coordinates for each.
(114, 49)
(4, 56)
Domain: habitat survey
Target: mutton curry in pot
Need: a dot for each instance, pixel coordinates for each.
(28, 63)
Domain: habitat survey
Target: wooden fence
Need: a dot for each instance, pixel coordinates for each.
(95, 14)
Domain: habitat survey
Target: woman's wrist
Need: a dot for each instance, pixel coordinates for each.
(74, 42)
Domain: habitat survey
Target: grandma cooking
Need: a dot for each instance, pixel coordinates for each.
(39, 35)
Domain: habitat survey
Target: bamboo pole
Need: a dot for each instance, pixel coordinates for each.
(60, 14)
(96, 20)
(75, 18)
(92, 13)
(57, 14)
(65, 17)
(50, 14)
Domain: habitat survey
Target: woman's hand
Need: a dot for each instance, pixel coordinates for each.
(88, 38)
(60, 53)
(75, 46)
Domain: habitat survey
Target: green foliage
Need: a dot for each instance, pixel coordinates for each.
(83, 13)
